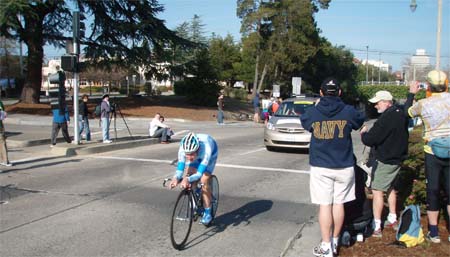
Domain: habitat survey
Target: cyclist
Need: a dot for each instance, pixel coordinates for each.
(197, 152)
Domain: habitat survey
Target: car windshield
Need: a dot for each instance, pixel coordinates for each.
(293, 108)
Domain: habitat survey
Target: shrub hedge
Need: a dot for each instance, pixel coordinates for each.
(198, 91)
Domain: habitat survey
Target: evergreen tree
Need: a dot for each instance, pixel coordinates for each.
(122, 32)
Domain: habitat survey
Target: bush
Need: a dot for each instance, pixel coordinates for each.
(148, 88)
(198, 92)
(237, 93)
(398, 92)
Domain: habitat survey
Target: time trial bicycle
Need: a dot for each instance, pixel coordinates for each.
(188, 208)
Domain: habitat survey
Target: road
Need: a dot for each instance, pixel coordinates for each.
(113, 204)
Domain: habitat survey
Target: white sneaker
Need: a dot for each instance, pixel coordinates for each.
(320, 252)
(107, 141)
(6, 164)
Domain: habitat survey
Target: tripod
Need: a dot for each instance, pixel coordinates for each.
(116, 107)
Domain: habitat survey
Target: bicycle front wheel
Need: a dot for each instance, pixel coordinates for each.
(181, 223)
(214, 185)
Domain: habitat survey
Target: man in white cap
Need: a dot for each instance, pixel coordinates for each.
(388, 139)
(435, 113)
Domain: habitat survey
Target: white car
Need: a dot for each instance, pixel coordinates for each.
(284, 129)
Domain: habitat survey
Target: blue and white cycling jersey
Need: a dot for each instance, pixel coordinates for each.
(205, 160)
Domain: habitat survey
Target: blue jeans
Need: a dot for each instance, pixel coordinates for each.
(84, 125)
(105, 128)
(220, 116)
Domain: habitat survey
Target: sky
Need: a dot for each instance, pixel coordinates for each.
(389, 28)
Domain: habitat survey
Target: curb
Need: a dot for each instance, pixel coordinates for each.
(72, 150)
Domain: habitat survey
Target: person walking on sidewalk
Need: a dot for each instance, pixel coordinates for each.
(220, 105)
(61, 120)
(105, 108)
(3, 149)
(332, 177)
(256, 104)
(84, 118)
(388, 139)
(435, 114)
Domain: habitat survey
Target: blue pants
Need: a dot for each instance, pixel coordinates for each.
(105, 128)
(84, 125)
(220, 116)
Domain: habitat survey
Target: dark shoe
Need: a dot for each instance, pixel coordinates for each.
(433, 239)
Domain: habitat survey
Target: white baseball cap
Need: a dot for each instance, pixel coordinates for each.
(381, 95)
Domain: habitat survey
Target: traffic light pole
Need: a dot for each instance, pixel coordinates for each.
(76, 49)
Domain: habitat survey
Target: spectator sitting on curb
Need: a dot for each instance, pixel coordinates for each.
(61, 120)
(157, 129)
(170, 133)
(435, 114)
(388, 139)
(3, 149)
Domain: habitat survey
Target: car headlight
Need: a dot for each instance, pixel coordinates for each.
(270, 126)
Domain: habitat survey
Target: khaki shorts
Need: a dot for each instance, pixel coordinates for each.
(383, 176)
(332, 186)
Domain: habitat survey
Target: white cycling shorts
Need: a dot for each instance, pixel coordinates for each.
(332, 186)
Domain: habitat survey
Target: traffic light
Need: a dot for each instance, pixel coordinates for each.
(69, 63)
(78, 25)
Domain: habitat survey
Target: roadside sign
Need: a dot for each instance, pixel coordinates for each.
(296, 85)
(276, 91)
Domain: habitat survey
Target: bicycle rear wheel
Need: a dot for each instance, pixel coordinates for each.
(214, 185)
(181, 223)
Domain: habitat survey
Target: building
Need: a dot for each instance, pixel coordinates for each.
(420, 60)
(378, 64)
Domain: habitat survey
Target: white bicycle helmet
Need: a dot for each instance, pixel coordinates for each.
(190, 143)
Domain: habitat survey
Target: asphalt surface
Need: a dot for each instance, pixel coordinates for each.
(29, 140)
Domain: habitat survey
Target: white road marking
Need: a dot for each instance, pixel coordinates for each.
(218, 164)
(181, 132)
(253, 151)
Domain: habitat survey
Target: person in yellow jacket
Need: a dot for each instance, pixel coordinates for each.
(435, 114)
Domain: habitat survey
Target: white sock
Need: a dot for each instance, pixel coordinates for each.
(377, 224)
(392, 217)
(334, 243)
(325, 245)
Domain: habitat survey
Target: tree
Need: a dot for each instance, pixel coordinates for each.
(9, 64)
(224, 55)
(125, 33)
(283, 34)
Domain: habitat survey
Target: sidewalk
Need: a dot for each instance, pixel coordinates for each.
(31, 133)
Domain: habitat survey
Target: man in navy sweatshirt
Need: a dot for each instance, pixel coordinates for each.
(332, 178)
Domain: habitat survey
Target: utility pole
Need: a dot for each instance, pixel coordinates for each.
(367, 65)
(438, 35)
(379, 68)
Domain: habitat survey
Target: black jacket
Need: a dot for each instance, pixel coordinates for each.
(84, 111)
(389, 136)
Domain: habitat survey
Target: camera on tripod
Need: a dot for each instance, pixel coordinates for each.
(113, 107)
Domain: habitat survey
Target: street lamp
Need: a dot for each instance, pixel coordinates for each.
(413, 5)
